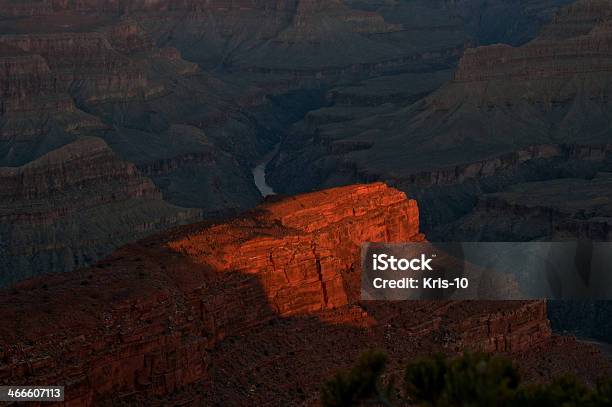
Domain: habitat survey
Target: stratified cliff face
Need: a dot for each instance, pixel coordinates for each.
(36, 113)
(510, 115)
(534, 210)
(184, 315)
(194, 92)
(576, 19)
(73, 205)
(501, 21)
(302, 246)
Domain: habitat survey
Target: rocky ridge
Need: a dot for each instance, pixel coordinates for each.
(183, 315)
(535, 211)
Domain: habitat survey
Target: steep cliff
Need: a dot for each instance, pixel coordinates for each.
(184, 315)
(510, 115)
(194, 92)
(74, 205)
(555, 209)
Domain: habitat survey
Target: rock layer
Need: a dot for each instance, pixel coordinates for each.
(195, 92)
(73, 205)
(555, 210)
(154, 319)
(510, 115)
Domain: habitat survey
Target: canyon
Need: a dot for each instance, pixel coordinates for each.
(255, 309)
(506, 117)
(195, 93)
(184, 186)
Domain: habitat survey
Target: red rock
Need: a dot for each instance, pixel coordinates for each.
(274, 292)
(301, 246)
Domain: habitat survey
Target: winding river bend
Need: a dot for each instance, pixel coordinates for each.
(259, 173)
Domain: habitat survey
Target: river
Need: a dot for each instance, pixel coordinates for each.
(259, 173)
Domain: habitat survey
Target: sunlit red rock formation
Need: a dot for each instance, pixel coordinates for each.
(301, 247)
(234, 312)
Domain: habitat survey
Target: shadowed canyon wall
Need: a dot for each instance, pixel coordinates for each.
(508, 117)
(193, 93)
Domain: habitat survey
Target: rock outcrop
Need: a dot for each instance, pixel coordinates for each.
(197, 307)
(302, 246)
(74, 205)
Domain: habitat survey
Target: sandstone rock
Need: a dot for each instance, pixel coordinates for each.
(302, 246)
(272, 292)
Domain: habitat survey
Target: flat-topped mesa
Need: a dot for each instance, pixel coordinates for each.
(303, 247)
(310, 212)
